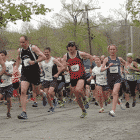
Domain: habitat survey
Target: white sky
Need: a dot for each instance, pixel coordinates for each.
(106, 6)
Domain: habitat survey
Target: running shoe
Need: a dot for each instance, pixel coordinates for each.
(86, 104)
(84, 113)
(5, 103)
(101, 110)
(8, 115)
(51, 109)
(111, 113)
(35, 104)
(93, 99)
(121, 104)
(127, 105)
(44, 102)
(22, 116)
(96, 103)
(134, 103)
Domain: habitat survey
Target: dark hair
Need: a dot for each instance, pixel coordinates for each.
(72, 43)
(47, 48)
(26, 38)
(4, 52)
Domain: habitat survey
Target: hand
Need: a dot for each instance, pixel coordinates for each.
(111, 64)
(56, 76)
(31, 62)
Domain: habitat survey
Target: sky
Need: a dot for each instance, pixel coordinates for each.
(106, 6)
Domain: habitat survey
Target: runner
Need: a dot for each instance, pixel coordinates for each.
(30, 70)
(74, 59)
(101, 83)
(51, 74)
(113, 74)
(6, 88)
(130, 68)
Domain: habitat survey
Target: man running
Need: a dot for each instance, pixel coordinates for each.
(74, 59)
(30, 70)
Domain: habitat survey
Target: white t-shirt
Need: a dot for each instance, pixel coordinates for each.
(6, 80)
(101, 77)
(47, 67)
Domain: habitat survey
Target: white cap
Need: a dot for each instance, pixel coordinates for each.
(130, 55)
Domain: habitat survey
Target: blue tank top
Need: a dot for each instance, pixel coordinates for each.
(114, 69)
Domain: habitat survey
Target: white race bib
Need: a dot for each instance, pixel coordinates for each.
(75, 68)
(87, 70)
(26, 62)
(129, 77)
(114, 69)
(67, 78)
(59, 78)
(48, 73)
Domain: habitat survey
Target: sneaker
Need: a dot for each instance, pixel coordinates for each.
(22, 116)
(127, 105)
(96, 103)
(111, 113)
(101, 110)
(121, 104)
(8, 115)
(86, 104)
(84, 113)
(51, 109)
(35, 104)
(44, 102)
(134, 104)
(93, 99)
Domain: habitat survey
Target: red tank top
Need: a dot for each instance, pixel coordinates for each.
(76, 67)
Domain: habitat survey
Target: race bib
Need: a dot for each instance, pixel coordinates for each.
(26, 62)
(48, 73)
(92, 81)
(75, 68)
(67, 78)
(87, 70)
(129, 77)
(114, 69)
(59, 78)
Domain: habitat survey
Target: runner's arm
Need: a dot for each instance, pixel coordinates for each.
(103, 68)
(3, 66)
(122, 61)
(39, 53)
(87, 55)
(18, 59)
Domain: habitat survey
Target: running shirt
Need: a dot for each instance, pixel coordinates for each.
(5, 79)
(49, 68)
(26, 56)
(101, 77)
(76, 67)
(131, 76)
(87, 65)
(114, 69)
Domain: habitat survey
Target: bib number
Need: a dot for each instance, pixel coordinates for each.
(129, 77)
(59, 78)
(114, 69)
(87, 70)
(26, 62)
(75, 68)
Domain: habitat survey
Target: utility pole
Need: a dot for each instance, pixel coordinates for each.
(89, 36)
(131, 30)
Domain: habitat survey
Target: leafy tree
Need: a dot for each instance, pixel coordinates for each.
(23, 11)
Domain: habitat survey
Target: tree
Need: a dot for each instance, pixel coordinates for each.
(23, 11)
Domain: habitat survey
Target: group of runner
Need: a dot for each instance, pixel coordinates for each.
(77, 73)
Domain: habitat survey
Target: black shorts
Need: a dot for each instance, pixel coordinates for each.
(113, 79)
(47, 84)
(74, 81)
(92, 86)
(16, 85)
(33, 78)
(7, 91)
